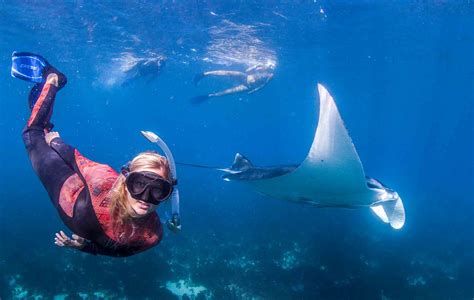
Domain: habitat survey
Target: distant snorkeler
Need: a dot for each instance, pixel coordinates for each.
(143, 68)
(109, 213)
(252, 80)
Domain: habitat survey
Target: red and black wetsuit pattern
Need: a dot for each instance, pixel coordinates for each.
(79, 188)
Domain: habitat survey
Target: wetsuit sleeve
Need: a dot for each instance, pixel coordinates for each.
(95, 249)
(89, 247)
(123, 251)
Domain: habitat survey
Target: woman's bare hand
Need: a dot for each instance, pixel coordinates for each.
(62, 240)
(50, 136)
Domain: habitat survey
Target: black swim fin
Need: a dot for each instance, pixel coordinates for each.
(199, 99)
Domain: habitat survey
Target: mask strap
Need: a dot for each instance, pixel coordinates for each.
(125, 169)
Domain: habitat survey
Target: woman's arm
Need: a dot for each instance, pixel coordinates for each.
(83, 245)
(79, 243)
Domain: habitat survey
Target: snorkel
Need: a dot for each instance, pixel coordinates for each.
(174, 224)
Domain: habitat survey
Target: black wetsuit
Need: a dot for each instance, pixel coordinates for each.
(79, 188)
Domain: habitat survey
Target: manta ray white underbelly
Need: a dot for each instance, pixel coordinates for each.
(331, 175)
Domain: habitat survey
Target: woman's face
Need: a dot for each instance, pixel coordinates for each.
(139, 207)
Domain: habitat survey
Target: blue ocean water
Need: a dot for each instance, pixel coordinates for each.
(402, 75)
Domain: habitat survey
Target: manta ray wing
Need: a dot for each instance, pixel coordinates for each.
(332, 173)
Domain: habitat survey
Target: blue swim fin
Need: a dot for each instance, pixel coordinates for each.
(34, 68)
(28, 66)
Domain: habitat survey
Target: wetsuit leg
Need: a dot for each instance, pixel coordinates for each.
(48, 165)
(226, 73)
(221, 73)
(234, 90)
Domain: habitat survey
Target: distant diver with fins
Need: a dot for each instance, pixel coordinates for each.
(109, 213)
(252, 80)
(148, 68)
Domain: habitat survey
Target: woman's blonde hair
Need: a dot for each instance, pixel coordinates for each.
(120, 210)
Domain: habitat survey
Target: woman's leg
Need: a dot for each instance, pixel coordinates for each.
(48, 165)
(226, 73)
(221, 73)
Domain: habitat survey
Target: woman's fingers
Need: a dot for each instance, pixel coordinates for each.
(62, 240)
(79, 241)
(60, 244)
(64, 235)
(59, 237)
(78, 238)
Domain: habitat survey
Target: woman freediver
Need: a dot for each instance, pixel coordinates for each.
(110, 214)
(252, 80)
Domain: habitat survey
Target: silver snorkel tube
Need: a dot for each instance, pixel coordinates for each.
(174, 224)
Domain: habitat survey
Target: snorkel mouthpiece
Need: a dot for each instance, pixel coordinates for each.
(174, 223)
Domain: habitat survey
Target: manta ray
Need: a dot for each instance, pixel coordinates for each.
(331, 175)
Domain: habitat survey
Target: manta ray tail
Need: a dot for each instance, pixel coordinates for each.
(391, 212)
(241, 163)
